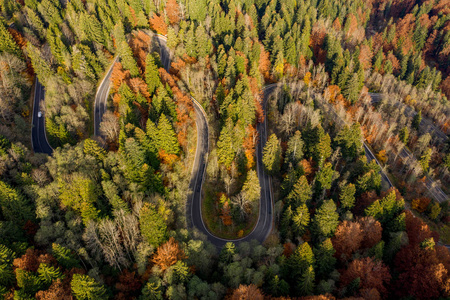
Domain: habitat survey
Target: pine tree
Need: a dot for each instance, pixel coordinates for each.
(85, 287)
(325, 258)
(153, 228)
(48, 273)
(40, 65)
(204, 46)
(301, 219)
(417, 120)
(166, 138)
(404, 135)
(347, 196)
(6, 266)
(425, 159)
(225, 147)
(350, 141)
(7, 43)
(306, 284)
(92, 148)
(301, 192)
(352, 89)
(14, 206)
(251, 188)
(64, 257)
(151, 74)
(272, 155)
(325, 177)
(326, 219)
(28, 282)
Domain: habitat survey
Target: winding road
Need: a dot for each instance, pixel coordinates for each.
(193, 206)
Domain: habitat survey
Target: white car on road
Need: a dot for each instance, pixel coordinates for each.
(39, 114)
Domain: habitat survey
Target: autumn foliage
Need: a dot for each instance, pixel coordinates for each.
(247, 292)
(173, 11)
(372, 274)
(157, 23)
(168, 254)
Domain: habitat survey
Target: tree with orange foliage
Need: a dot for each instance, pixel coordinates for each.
(157, 23)
(118, 76)
(371, 230)
(247, 292)
(420, 204)
(168, 254)
(331, 92)
(173, 11)
(264, 64)
(365, 57)
(337, 25)
(445, 86)
(347, 239)
(372, 275)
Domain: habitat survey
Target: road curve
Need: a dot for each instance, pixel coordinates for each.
(194, 204)
(39, 140)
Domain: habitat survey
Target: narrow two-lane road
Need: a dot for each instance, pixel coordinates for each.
(38, 136)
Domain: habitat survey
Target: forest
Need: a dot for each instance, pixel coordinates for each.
(348, 98)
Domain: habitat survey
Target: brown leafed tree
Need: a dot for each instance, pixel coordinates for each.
(173, 11)
(347, 239)
(168, 254)
(422, 275)
(372, 231)
(372, 274)
(247, 292)
(56, 291)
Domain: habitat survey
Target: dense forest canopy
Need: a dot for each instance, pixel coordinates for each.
(338, 83)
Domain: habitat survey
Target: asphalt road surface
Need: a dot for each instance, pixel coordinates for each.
(194, 204)
(38, 135)
(426, 126)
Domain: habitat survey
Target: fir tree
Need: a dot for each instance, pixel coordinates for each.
(85, 287)
(272, 155)
(326, 219)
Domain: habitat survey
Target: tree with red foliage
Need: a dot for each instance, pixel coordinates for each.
(347, 239)
(364, 201)
(372, 275)
(157, 23)
(365, 57)
(264, 64)
(445, 86)
(168, 254)
(128, 284)
(173, 11)
(247, 292)
(118, 76)
(418, 230)
(422, 275)
(372, 231)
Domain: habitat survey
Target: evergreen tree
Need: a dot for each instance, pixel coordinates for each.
(352, 89)
(6, 266)
(153, 228)
(151, 74)
(301, 219)
(272, 155)
(225, 147)
(166, 138)
(307, 284)
(251, 188)
(301, 192)
(326, 219)
(48, 273)
(404, 135)
(417, 119)
(325, 258)
(15, 207)
(28, 282)
(347, 196)
(85, 287)
(350, 141)
(325, 177)
(425, 159)
(7, 43)
(65, 257)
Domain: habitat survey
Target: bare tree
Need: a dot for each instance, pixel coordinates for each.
(109, 127)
